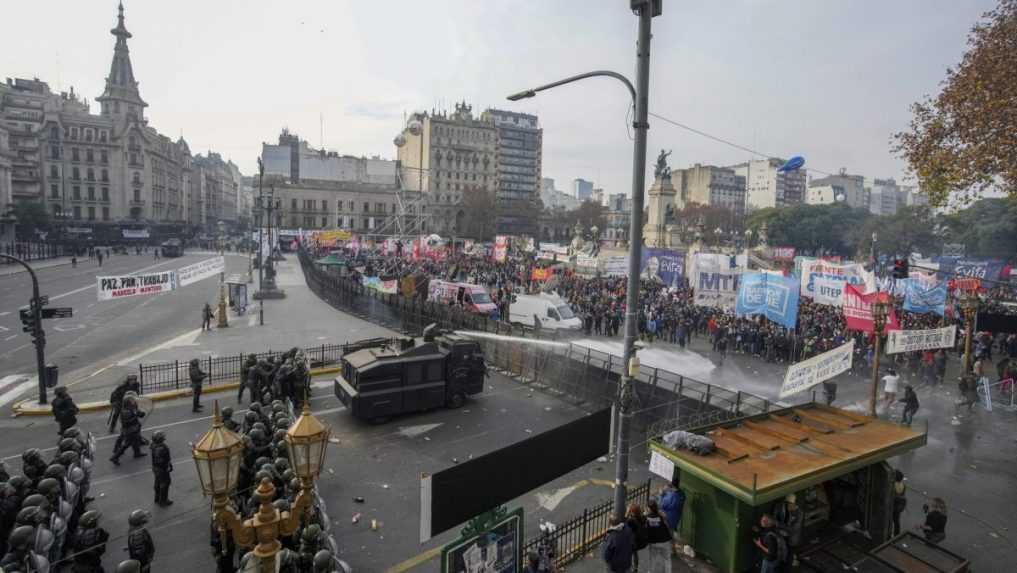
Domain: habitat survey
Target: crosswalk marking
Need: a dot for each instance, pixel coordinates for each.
(13, 385)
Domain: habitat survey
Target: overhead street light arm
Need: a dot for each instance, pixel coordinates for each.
(598, 73)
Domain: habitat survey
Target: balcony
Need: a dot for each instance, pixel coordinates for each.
(137, 202)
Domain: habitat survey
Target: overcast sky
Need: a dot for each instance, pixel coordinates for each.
(827, 80)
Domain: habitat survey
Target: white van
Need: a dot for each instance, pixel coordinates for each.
(549, 309)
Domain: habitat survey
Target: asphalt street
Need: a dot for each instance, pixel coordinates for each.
(100, 332)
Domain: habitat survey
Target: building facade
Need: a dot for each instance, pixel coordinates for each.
(711, 185)
(582, 189)
(520, 149)
(855, 193)
(766, 187)
(824, 194)
(111, 169)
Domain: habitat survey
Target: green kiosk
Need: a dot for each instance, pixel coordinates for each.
(832, 460)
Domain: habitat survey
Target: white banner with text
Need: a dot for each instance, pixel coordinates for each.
(808, 373)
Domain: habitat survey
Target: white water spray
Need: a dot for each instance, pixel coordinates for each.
(520, 339)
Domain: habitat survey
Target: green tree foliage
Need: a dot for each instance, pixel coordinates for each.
(910, 230)
(588, 214)
(988, 228)
(30, 215)
(964, 141)
(834, 228)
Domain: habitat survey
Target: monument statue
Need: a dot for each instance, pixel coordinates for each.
(662, 171)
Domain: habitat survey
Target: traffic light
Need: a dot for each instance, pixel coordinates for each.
(900, 269)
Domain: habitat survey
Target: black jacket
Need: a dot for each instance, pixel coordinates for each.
(618, 547)
(64, 408)
(196, 375)
(131, 420)
(140, 546)
(162, 462)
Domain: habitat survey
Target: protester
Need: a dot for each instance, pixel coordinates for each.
(635, 521)
(772, 545)
(618, 547)
(659, 537)
(900, 499)
(911, 405)
(935, 521)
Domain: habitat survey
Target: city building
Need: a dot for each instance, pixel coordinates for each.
(711, 185)
(766, 187)
(520, 148)
(556, 199)
(582, 189)
(824, 194)
(598, 196)
(884, 196)
(911, 196)
(618, 215)
(294, 160)
(6, 199)
(855, 193)
(109, 175)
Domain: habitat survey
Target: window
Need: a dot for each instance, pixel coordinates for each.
(54, 152)
(89, 155)
(293, 204)
(137, 195)
(54, 133)
(76, 193)
(102, 138)
(74, 135)
(367, 207)
(105, 175)
(77, 212)
(339, 205)
(103, 155)
(133, 160)
(88, 137)
(53, 172)
(351, 205)
(324, 207)
(367, 224)
(90, 174)
(54, 191)
(75, 154)
(105, 213)
(308, 222)
(324, 222)
(91, 193)
(105, 193)
(136, 178)
(91, 213)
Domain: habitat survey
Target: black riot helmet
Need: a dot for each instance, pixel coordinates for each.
(22, 538)
(129, 566)
(138, 517)
(158, 437)
(90, 518)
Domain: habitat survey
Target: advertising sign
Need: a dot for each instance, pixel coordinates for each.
(666, 265)
(497, 550)
(501, 246)
(807, 373)
(135, 233)
(783, 253)
(989, 269)
(114, 288)
(772, 296)
(201, 270)
(853, 273)
(898, 341)
(858, 310)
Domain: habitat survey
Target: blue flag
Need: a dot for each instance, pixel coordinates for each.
(773, 296)
(922, 300)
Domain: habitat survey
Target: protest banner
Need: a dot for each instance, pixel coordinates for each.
(716, 287)
(501, 246)
(666, 265)
(118, 287)
(616, 266)
(772, 296)
(922, 300)
(828, 291)
(858, 310)
(819, 368)
(200, 270)
(898, 341)
(782, 253)
(853, 273)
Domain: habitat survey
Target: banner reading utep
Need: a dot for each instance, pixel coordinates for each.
(930, 339)
(853, 273)
(807, 373)
(664, 264)
(858, 310)
(113, 288)
(201, 270)
(828, 291)
(772, 296)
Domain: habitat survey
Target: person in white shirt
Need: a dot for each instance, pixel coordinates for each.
(890, 386)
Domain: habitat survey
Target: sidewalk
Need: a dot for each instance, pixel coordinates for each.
(7, 270)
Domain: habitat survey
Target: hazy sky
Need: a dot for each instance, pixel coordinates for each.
(827, 80)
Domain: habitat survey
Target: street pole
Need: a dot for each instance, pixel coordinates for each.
(261, 245)
(40, 336)
(878, 321)
(969, 305)
(646, 10)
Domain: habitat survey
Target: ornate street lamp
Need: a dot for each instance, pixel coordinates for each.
(217, 456)
(969, 306)
(879, 310)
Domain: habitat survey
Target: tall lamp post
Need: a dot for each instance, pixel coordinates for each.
(218, 455)
(645, 10)
(261, 241)
(879, 310)
(969, 306)
(33, 324)
(223, 319)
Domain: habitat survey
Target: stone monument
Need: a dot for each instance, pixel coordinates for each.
(661, 227)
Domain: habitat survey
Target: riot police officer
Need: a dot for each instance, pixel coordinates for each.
(64, 409)
(116, 399)
(89, 543)
(227, 420)
(130, 431)
(197, 377)
(32, 465)
(162, 465)
(139, 542)
(21, 555)
(129, 566)
(247, 380)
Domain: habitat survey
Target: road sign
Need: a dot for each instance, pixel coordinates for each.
(59, 312)
(26, 314)
(43, 300)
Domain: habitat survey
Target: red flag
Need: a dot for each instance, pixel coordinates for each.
(858, 309)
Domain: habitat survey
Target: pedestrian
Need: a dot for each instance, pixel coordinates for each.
(900, 499)
(130, 430)
(139, 542)
(197, 379)
(830, 391)
(64, 409)
(206, 317)
(635, 521)
(772, 545)
(968, 392)
(935, 520)
(790, 523)
(659, 537)
(911, 405)
(162, 466)
(672, 503)
(890, 381)
(74, 261)
(618, 547)
(99, 258)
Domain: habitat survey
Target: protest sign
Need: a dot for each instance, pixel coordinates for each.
(858, 310)
(828, 291)
(898, 341)
(666, 265)
(616, 266)
(853, 273)
(773, 296)
(921, 300)
(118, 287)
(201, 270)
(808, 373)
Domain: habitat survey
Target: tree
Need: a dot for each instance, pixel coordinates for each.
(911, 229)
(588, 214)
(834, 228)
(480, 214)
(964, 141)
(988, 228)
(30, 216)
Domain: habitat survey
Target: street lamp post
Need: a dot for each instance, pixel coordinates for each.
(969, 306)
(223, 319)
(261, 241)
(39, 335)
(645, 10)
(218, 455)
(879, 310)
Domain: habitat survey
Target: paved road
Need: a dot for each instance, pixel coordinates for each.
(99, 331)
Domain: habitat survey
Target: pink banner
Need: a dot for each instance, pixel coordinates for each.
(858, 309)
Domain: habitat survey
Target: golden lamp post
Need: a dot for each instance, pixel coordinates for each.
(969, 306)
(217, 456)
(879, 310)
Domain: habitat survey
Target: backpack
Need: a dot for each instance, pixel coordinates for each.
(782, 547)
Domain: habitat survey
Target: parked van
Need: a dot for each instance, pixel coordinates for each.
(473, 298)
(549, 309)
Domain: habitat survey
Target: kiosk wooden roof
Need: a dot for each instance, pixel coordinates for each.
(764, 457)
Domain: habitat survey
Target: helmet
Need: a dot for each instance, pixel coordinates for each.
(90, 518)
(255, 407)
(227, 413)
(288, 475)
(129, 566)
(19, 483)
(281, 504)
(158, 437)
(60, 390)
(138, 517)
(277, 402)
(322, 560)
(260, 426)
(55, 471)
(49, 487)
(262, 461)
(295, 484)
(311, 533)
(35, 500)
(278, 407)
(250, 417)
(31, 454)
(69, 458)
(22, 538)
(194, 362)
(262, 475)
(72, 433)
(69, 445)
(270, 469)
(280, 435)
(30, 515)
(281, 465)
(258, 435)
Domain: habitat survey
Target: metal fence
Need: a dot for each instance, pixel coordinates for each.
(574, 537)
(32, 251)
(223, 369)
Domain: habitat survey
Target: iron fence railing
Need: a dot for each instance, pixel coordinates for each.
(575, 537)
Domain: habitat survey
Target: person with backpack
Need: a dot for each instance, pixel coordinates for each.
(672, 502)
(911, 405)
(790, 524)
(772, 544)
(617, 547)
(659, 537)
(635, 521)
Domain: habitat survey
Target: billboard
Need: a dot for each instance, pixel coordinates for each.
(665, 265)
(118, 287)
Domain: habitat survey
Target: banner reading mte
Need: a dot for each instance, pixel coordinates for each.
(201, 270)
(112, 288)
(808, 373)
(909, 340)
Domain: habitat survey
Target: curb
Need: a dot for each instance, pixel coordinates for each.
(29, 408)
(23, 271)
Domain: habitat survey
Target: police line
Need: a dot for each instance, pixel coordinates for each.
(125, 286)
